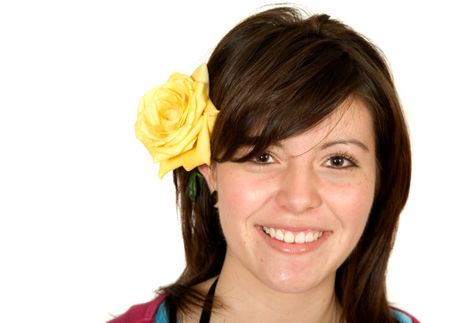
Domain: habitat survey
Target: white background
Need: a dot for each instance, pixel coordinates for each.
(87, 228)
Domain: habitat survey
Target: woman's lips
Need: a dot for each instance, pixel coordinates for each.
(294, 241)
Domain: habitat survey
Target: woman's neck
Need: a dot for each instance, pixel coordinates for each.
(242, 297)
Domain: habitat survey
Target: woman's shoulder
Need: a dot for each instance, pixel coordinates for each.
(140, 313)
(402, 316)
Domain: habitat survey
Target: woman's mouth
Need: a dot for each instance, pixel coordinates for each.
(293, 237)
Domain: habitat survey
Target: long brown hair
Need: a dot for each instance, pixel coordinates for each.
(277, 74)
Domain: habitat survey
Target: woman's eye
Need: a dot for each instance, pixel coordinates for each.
(264, 158)
(339, 161)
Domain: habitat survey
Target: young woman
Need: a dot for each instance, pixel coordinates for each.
(291, 163)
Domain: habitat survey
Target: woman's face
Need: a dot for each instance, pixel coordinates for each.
(294, 214)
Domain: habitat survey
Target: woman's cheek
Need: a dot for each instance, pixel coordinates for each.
(351, 202)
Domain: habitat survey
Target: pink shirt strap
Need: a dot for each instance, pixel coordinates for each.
(140, 313)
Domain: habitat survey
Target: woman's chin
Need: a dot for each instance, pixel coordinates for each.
(292, 283)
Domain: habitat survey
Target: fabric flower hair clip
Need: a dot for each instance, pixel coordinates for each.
(175, 121)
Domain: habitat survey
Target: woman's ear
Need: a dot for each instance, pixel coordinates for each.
(209, 173)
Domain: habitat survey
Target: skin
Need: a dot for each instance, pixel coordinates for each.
(319, 180)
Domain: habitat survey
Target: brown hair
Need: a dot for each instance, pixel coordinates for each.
(292, 71)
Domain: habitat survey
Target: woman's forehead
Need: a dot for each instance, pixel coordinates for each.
(351, 123)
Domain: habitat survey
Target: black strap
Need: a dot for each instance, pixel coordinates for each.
(207, 305)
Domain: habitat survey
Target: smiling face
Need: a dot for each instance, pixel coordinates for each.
(293, 215)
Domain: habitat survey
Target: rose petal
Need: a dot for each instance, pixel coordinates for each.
(201, 74)
(175, 121)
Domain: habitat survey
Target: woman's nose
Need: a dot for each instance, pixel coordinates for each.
(298, 189)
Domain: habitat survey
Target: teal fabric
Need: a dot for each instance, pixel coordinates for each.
(400, 317)
(162, 316)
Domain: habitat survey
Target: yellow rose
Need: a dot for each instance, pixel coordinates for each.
(175, 121)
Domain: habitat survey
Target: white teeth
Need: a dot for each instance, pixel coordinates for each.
(279, 235)
(300, 237)
(272, 232)
(289, 237)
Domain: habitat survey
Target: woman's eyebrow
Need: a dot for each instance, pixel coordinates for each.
(345, 142)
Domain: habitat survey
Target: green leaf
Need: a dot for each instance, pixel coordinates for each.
(192, 186)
